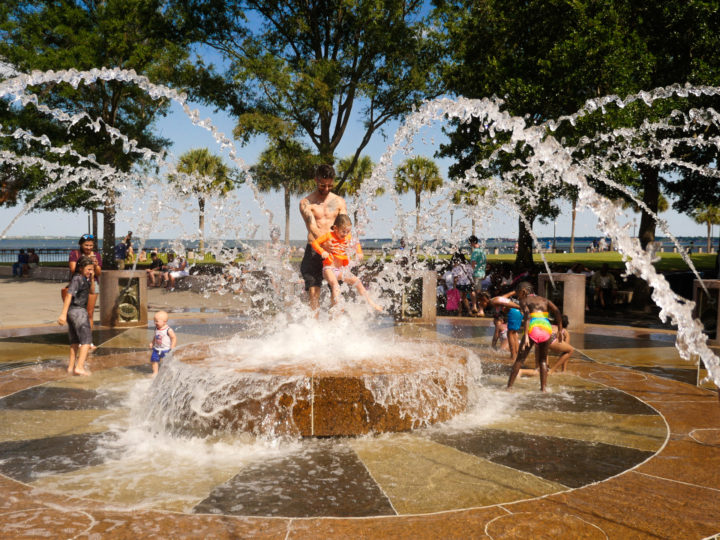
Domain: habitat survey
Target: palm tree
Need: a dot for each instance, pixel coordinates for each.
(467, 198)
(709, 215)
(354, 178)
(418, 174)
(286, 165)
(208, 175)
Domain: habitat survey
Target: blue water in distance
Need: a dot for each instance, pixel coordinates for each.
(505, 245)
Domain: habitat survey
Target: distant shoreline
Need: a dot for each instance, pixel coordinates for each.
(503, 245)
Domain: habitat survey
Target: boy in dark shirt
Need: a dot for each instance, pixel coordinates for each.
(75, 314)
(156, 266)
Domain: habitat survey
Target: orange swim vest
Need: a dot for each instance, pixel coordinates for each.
(336, 248)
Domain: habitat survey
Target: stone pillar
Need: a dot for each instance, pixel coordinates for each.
(706, 309)
(123, 298)
(571, 301)
(429, 297)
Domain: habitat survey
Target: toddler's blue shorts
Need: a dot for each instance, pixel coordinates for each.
(158, 355)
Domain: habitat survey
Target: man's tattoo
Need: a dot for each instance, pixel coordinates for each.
(305, 212)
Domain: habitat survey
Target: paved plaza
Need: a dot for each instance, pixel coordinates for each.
(624, 445)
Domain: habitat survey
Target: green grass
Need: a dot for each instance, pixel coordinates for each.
(669, 262)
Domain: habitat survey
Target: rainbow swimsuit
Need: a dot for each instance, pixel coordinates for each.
(539, 327)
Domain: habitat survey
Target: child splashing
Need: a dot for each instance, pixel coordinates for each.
(538, 331)
(333, 248)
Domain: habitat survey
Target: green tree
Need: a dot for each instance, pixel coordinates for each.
(466, 198)
(286, 166)
(205, 175)
(306, 68)
(545, 59)
(709, 215)
(354, 178)
(61, 34)
(419, 175)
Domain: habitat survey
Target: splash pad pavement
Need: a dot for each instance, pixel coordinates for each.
(76, 462)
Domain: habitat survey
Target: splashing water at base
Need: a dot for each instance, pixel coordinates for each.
(312, 378)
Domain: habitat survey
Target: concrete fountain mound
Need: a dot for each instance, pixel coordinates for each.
(379, 395)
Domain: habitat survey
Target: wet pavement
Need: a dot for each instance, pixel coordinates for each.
(622, 446)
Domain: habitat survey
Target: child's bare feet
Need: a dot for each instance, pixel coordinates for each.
(81, 371)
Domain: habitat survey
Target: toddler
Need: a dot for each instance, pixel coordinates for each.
(333, 248)
(163, 342)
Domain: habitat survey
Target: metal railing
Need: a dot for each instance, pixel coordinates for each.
(45, 255)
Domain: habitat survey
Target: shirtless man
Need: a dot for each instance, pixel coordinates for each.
(319, 210)
(538, 331)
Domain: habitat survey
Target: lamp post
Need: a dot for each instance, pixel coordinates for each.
(554, 244)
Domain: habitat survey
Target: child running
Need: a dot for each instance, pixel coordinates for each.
(163, 342)
(538, 331)
(333, 248)
(75, 315)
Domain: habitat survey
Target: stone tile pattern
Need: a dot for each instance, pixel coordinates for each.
(678, 487)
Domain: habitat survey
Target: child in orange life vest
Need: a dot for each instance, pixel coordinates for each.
(333, 248)
(164, 340)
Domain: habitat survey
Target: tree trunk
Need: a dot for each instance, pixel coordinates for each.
(287, 216)
(108, 250)
(201, 227)
(651, 192)
(417, 212)
(572, 227)
(95, 223)
(709, 238)
(524, 258)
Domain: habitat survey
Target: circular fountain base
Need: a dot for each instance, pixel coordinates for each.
(309, 399)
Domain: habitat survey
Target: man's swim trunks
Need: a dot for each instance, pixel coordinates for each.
(539, 327)
(514, 319)
(311, 268)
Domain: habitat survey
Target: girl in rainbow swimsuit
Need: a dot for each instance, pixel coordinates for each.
(538, 330)
(333, 247)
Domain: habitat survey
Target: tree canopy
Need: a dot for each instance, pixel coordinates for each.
(545, 59)
(141, 35)
(306, 68)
